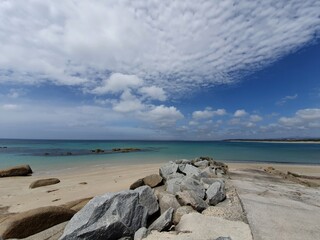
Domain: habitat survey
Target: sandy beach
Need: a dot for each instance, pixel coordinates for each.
(16, 196)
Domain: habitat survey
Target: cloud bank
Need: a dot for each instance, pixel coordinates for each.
(176, 46)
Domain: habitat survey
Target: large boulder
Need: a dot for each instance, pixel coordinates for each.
(28, 223)
(208, 172)
(153, 180)
(23, 170)
(192, 199)
(110, 216)
(44, 182)
(190, 170)
(141, 233)
(202, 164)
(216, 193)
(186, 183)
(207, 182)
(166, 201)
(148, 199)
(137, 184)
(164, 222)
(166, 170)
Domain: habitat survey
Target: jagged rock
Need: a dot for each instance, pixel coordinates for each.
(190, 170)
(202, 164)
(216, 193)
(159, 190)
(148, 199)
(175, 175)
(23, 170)
(192, 199)
(141, 233)
(186, 183)
(207, 182)
(137, 184)
(28, 223)
(178, 213)
(208, 172)
(44, 182)
(110, 216)
(162, 223)
(168, 169)
(152, 180)
(166, 201)
(182, 161)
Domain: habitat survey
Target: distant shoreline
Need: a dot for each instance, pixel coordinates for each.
(317, 141)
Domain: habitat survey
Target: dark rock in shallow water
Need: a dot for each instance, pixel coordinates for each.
(126, 150)
(28, 223)
(164, 222)
(44, 182)
(111, 216)
(23, 170)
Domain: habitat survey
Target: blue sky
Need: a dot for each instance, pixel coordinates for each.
(193, 70)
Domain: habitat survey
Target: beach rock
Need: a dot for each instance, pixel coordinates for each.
(208, 172)
(76, 205)
(182, 161)
(44, 182)
(141, 233)
(207, 182)
(153, 180)
(202, 164)
(148, 199)
(190, 170)
(164, 222)
(175, 175)
(216, 193)
(23, 170)
(166, 201)
(168, 169)
(193, 185)
(186, 183)
(178, 213)
(158, 191)
(173, 185)
(110, 216)
(192, 199)
(25, 224)
(223, 238)
(136, 184)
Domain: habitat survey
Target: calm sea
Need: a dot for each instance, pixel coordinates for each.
(47, 155)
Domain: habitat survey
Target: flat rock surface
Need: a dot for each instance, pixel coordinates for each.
(277, 208)
(195, 226)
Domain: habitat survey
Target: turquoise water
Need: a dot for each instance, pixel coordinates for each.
(33, 152)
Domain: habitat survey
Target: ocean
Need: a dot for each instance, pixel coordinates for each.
(49, 155)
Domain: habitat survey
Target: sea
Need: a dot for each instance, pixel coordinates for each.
(59, 155)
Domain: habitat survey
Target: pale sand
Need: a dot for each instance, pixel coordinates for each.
(15, 192)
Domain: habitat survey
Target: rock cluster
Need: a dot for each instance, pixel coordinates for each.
(183, 186)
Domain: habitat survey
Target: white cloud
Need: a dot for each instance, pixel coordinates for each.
(255, 118)
(240, 113)
(208, 113)
(175, 45)
(286, 99)
(308, 118)
(154, 92)
(128, 103)
(162, 116)
(10, 106)
(118, 82)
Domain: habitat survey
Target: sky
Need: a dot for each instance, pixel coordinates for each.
(159, 70)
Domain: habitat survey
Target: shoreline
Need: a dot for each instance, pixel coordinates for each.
(84, 182)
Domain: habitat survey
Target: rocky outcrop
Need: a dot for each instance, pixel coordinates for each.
(112, 216)
(28, 223)
(44, 182)
(23, 170)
